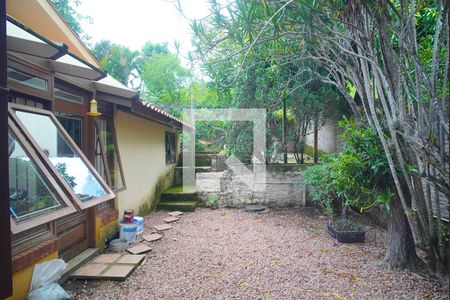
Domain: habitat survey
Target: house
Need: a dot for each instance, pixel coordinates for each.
(73, 171)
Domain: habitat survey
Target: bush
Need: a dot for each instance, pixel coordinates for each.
(358, 176)
(318, 180)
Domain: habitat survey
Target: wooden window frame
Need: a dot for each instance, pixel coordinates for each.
(56, 89)
(104, 159)
(29, 68)
(41, 155)
(54, 184)
(174, 147)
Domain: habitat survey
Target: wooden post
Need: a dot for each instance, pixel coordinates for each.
(316, 141)
(5, 229)
(285, 158)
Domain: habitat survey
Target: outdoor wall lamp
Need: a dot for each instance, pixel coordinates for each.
(93, 112)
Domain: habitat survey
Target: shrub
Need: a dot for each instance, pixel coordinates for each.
(358, 176)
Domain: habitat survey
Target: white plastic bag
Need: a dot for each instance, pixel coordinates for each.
(44, 281)
(51, 291)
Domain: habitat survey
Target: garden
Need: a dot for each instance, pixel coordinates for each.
(376, 72)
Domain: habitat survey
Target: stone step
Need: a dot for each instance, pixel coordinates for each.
(177, 193)
(185, 206)
(76, 262)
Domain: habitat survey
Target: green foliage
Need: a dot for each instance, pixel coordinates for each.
(166, 81)
(212, 200)
(358, 176)
(344, 224)
(318, 180)
(118, 60)
(66, 9)
(62, 170)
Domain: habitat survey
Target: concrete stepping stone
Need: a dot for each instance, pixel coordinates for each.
(106, 258)
(162, 227)
(175, 213)
(139, 249)
(152, 237)
(171, 219)
(109, 267)
(255, 208)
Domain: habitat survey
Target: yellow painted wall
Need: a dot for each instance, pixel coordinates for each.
(103, 231)
(142, 150)
(22, 279)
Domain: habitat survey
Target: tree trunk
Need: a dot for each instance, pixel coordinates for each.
(285, 153)
(316, 141)
(401, 251)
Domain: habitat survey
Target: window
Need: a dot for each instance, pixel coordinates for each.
(26, 79)
(68, 96)
(57, 148)
(73, 127)
(34, 196)
(29, 194)
(170, 148)
(107, 157)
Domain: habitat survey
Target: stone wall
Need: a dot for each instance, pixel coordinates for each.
(281, 188)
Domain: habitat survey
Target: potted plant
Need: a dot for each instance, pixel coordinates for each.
(346, 231)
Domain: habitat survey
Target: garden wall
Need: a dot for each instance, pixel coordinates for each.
(282, 188)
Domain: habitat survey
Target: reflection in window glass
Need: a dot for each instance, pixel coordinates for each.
(64, 158)
(105, 131)
(73, 127)
(29, 194)
(26, 79)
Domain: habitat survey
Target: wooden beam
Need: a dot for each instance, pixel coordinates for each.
(5, 229)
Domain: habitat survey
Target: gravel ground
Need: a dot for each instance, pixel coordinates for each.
(282, 254)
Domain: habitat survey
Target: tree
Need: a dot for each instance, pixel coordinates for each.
(69, 13)
(165, 81)
(399, 74)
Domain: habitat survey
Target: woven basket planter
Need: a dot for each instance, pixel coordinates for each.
(350, 236)
(346, 236)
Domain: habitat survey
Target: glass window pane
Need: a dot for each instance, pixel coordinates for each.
(106, 134)
(26, 79)
(170, 148)
(67, 96)
(73, 127)
(66, 161)
(29, 194)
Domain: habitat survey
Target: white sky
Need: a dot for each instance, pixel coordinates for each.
(133, 22)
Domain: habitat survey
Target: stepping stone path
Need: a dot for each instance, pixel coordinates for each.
(109, 267)
(115, 266)
(139, 249)
(152, 237)
(175, 213)
(171, 219)
(162, 227)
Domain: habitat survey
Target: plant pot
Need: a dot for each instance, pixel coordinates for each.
(357, 234)
(350, 236)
